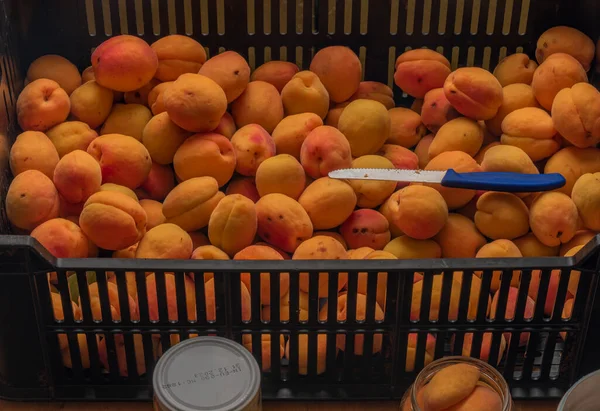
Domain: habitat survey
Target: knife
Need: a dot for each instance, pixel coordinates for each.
(487, 181)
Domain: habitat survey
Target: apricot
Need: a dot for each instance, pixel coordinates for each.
(567, 314)
(474, 92)
(514, 97)
(232, 225)
(305, 93)
(373, 90)
(282, 221)
(553, 218)
(291, 132)
(501, 216)
(173, 298)
(514, 69)
(481, 397)
(258, 252)
(563, 39)
(41, 105)
(31, 200)
(449, 386)
(112, 220)
(33, 150)
(366, 125)
(284, 308)
(360, 315)
(154, 213)
(500, 249)
(334, 114)
(62, 238)
(371, 193)
(325, 149)
(511, 308)
(406, 129)
(572, 163)
(422, 150)
(340, 71)
(418, 211)
(195, 103)
(205, 154)
(281, 174)
(198, 238)
(436, 295)
(162, 137)
(122, 353)
(576, 115)
(209, 252)
(333, 234)
(459, 238)
(303, 357)
(328, 202)
(359, 253)
(70, 136)
(585, 196)
(265, 284)
(140, 95)
(460, 162)
(366, 228)
(165, 241)
(532, 130)
(530, 246)
(77, 176)
(124, 63)
(244, 186)
(155, 98)
(437, 110)
(421, 70)
(177, 55)
(400, 157)
(266, 348)
(509, 159)
(190, 204)
(252, 145)
(230, 71)
(411, 352)
(321, 248)
(127, 119)
(486, 347)
(259, 104)
(460, 134)
(123, 159)
(209, 292)
(557, 72)
(91, 103)
(406, 248)
(56, 68)
(581, 237)
(158, 184)
(552, 291)
(277, 73)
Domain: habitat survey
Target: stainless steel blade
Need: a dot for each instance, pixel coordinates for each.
(384, 174)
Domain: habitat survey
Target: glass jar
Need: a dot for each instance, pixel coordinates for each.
(490, 377)
(208, 374)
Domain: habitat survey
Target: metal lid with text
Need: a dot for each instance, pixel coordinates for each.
(207, 374)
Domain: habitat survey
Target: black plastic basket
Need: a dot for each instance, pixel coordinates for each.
(468, 32)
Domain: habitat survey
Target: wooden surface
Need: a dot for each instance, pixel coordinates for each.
(268, 406)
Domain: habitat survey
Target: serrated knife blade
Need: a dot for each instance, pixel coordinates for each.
(488, 181)
(384, 174)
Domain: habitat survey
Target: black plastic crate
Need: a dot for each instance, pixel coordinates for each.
(468, 32)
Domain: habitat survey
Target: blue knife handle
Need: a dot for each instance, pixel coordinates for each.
(501, 181)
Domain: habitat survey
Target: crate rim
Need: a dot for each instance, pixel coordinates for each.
(583, 260)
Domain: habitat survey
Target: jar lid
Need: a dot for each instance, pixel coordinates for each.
(206, 374)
